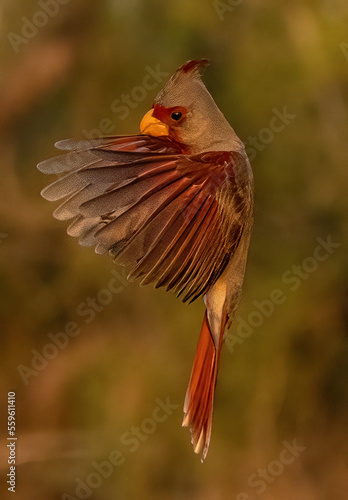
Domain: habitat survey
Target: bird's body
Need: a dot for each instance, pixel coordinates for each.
(174, 204)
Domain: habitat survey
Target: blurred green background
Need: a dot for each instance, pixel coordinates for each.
(61, 76)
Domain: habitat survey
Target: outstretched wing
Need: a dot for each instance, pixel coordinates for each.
(174, 218)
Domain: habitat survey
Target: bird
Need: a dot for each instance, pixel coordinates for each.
(174, 204)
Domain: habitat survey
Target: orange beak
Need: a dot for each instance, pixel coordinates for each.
(150, 125)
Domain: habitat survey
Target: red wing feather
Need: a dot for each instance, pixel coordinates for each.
(172, 217)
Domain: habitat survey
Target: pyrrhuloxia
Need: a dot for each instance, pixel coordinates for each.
(175, 204)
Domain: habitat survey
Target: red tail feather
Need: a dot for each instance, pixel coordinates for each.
(198, 407)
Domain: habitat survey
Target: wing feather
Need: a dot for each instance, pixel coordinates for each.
(174, 218)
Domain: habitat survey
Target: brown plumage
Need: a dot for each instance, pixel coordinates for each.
(175, 204)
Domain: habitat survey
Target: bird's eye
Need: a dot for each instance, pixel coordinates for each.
(176, 115)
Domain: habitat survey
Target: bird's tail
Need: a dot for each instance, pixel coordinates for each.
(198, 407)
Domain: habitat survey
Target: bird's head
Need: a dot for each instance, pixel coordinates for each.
(185, 111)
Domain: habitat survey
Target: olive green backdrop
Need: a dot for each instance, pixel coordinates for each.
(279, 72)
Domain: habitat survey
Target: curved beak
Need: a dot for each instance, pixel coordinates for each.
(150, 125)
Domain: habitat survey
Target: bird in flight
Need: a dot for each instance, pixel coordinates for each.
(175, 205)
